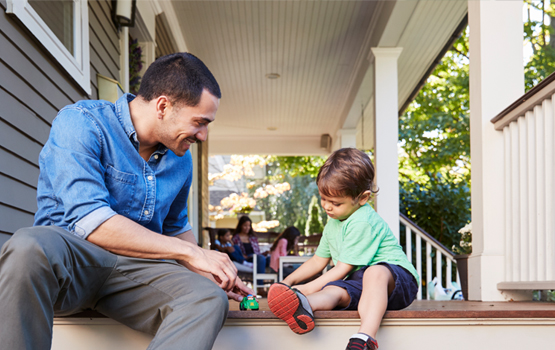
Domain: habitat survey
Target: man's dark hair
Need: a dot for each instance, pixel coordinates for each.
(347, 172)
(181, 77)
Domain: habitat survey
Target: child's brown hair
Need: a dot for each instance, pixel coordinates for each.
(347, 172)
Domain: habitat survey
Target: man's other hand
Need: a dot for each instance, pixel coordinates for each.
(239, 291)
(218, 265)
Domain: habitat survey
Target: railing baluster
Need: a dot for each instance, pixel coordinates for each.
(408, 239)
(549, 190)
(531, 192)
(428, 267)
(439, 272)
(514, 202)
(509, 159)
(448, 274)
(419, 264)
(539, 237)
(523, 158)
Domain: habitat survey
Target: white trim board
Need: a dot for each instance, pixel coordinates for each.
(77, 66)
(332, 334)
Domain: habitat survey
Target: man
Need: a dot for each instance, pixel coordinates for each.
(111, 231)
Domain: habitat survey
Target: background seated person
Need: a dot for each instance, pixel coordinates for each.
(223, 244)
(285, 244)
(246, 239)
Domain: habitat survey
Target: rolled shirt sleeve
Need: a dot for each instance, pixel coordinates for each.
(84, 227)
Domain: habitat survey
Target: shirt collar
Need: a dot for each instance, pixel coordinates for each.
(124, 117)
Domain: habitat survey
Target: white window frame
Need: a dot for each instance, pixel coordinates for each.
(77, 66)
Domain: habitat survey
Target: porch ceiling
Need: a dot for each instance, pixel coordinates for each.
(320, 49)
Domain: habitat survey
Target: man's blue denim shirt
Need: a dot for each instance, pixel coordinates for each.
(91, 170)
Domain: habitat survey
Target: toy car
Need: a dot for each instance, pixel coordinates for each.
(249, 303)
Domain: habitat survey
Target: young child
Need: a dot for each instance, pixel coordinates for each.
(223, 244)
(371, 272)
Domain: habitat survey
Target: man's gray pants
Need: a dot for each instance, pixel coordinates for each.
(46, 271)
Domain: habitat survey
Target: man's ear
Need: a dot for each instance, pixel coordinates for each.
(364, 197)
(162, 106)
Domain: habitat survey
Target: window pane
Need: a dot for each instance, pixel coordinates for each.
(58, 16)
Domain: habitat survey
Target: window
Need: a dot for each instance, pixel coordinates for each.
(62, 28)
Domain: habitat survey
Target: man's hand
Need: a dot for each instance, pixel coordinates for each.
(210, 263)
(239, 291)
(216, 264)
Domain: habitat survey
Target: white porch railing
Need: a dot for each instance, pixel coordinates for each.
(529, 178)
(444, 260)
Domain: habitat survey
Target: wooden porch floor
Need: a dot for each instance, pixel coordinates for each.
(424, 309)
(418, 309)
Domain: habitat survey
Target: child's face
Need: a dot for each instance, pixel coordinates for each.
(339, 208)
(227, 237)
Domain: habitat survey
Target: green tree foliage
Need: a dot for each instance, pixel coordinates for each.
(541, 35)
(291, 208)
(299, 166)
(135, 65)
(434, 164)
(314, 224)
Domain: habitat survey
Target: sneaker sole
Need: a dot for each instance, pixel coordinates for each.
(285, 304)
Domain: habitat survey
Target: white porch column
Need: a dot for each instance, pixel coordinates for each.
(347, 138)
(124, 58)
(387, 134)
(496, 81)
(149, 56)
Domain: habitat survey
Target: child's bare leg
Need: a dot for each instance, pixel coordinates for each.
(377, 285)
(328, 298)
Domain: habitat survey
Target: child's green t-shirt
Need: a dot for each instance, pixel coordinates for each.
(363, 239)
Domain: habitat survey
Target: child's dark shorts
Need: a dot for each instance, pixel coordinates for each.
(402, 295)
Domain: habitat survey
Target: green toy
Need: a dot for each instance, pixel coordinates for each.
(249, 303)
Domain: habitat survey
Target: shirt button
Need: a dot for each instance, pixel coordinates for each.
(146, 212)
(150, 178)
(155, 156)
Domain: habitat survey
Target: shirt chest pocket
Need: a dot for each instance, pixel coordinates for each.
(121, 188)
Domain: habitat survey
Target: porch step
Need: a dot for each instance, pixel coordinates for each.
(426, 325)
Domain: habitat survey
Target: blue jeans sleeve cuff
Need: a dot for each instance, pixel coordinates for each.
(84, 227)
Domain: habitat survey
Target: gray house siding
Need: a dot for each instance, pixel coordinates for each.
(33, 87)
(104, 44)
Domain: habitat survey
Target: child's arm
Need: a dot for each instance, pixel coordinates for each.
(336, 273)
(227, 248)
(308, 269)
(282, 247)
(220, 247)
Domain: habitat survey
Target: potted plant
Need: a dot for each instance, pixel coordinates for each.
(463, 251)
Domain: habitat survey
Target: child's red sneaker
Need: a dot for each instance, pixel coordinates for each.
(291, 306)
(358, 342)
